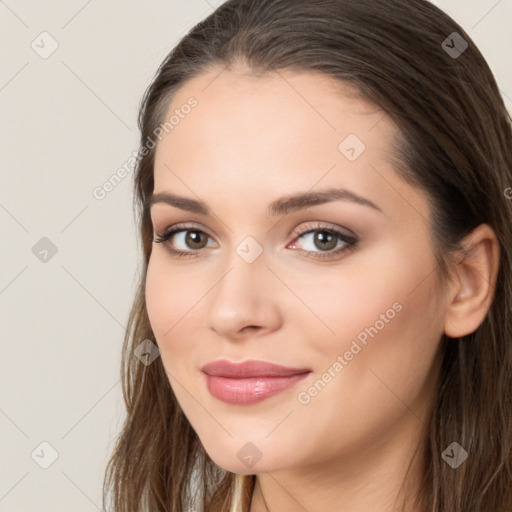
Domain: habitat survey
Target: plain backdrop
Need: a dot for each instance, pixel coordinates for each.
(69, 261)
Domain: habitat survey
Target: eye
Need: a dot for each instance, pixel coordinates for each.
(190, 238)
(323, 241)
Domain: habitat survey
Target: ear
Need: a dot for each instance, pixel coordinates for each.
(473, 283)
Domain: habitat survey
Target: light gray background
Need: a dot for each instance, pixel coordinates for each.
(68, 122)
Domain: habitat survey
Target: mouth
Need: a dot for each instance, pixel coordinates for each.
(251, 381)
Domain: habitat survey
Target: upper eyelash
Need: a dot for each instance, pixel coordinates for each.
(350, 241)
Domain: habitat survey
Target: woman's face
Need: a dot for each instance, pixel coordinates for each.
(361, 311)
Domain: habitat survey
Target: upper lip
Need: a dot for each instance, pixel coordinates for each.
(250, 368)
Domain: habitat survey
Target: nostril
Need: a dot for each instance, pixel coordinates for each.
(251, 327)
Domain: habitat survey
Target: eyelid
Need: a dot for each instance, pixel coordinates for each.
(184, 226)
(350, 241)
(322, 225)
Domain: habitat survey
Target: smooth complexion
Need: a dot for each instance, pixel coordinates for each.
(251, 141)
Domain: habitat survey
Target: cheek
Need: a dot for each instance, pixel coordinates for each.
(157, 295)
(384, 313)
(167, 301)
(387, 337)
(170, 294)
(174, 300)
(393, 374)
(387, 368)
(368, 288)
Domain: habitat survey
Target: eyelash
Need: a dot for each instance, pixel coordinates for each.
(350, 241)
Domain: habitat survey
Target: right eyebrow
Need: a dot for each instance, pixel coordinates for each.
(184, 203)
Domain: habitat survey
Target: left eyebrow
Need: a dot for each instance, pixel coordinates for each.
(296, 202)
(280, 206)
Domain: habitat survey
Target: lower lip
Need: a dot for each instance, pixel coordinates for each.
(250, 390)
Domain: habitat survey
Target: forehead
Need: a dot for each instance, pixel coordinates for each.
(238, 109)
(273, 134)
(260, 98)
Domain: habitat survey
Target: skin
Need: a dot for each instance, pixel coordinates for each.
(253, 139)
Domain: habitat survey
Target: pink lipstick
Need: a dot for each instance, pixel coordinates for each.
(251, 381)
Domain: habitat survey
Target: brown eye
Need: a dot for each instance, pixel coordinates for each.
(193, 239)
(320, 241)
(184, 240)
(325, 241)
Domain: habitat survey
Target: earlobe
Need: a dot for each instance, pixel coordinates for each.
(473, 284)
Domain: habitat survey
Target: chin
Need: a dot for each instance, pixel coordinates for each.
(245, 460)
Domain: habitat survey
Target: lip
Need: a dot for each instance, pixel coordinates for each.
(250, 368)
(251, 381)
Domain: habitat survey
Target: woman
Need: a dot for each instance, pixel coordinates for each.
(326, 288)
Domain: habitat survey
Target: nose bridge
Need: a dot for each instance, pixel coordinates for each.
(245, 263)
(242, 269)
(241, 296)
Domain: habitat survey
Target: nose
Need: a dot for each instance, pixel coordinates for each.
(245, 300)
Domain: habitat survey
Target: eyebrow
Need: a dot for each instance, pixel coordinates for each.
(281, 206)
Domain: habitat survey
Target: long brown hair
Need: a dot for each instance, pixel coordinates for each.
(455, 145)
